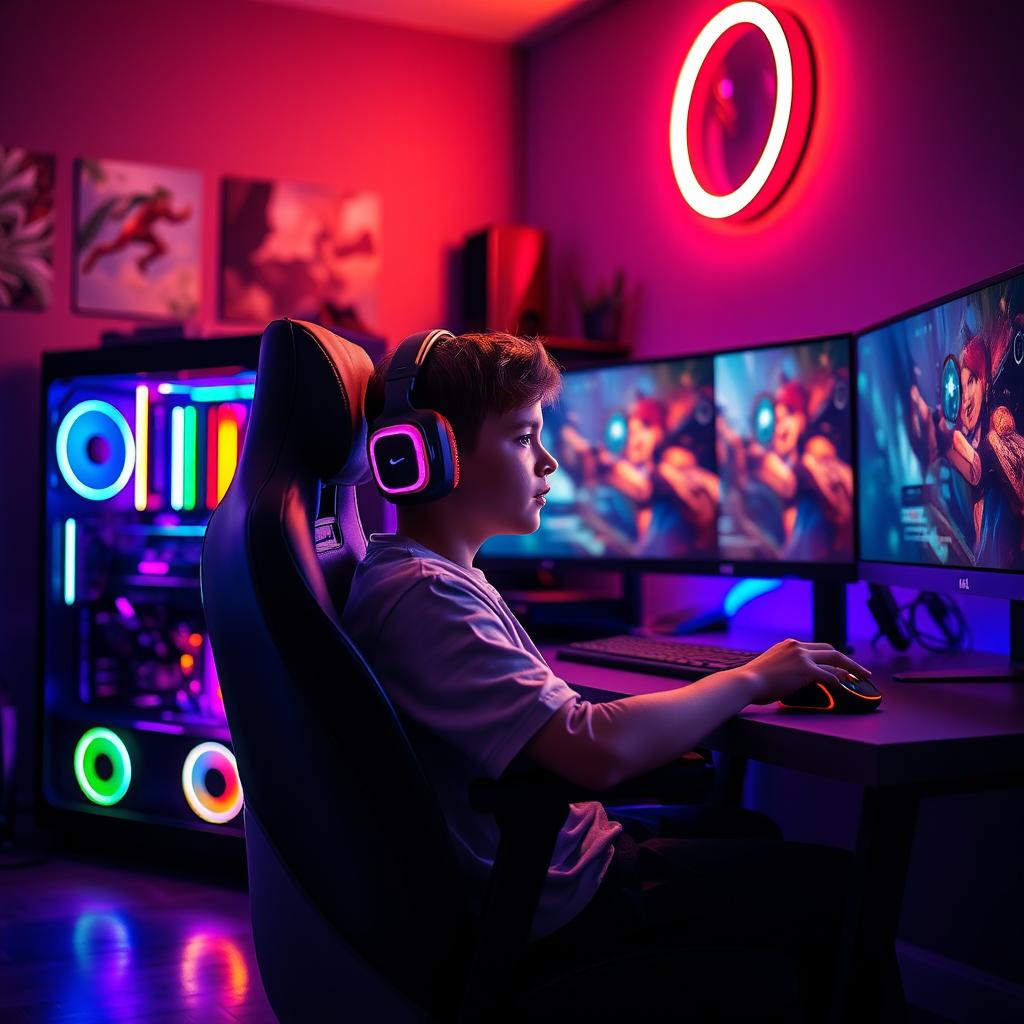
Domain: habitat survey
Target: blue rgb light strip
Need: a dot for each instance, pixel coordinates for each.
(70, 558)
(178, 458)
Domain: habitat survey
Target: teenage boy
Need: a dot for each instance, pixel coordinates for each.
(476, 693)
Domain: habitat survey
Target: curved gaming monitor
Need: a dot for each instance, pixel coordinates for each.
(736, 463)
(941, 444)
(941, 453)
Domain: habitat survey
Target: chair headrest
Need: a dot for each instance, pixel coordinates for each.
(307, 412)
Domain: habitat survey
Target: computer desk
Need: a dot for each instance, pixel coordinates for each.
(926, 739)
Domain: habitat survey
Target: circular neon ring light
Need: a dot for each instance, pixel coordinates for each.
(704, 202)
(64, 431)
(200, 760)
(94, 744)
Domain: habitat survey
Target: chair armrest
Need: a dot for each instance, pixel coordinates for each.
(688, 779)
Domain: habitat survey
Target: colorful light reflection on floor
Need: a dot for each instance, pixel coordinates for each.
(86, 944)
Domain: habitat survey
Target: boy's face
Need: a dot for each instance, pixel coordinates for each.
(501, 481)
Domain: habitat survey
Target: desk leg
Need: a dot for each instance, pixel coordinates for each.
(868, 985)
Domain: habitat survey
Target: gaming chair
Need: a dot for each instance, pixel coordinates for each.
(358, 912)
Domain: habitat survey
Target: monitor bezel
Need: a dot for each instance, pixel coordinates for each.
(974, 581)
(832, 572)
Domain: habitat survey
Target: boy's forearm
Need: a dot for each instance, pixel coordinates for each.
(599, 745)
(641, 733)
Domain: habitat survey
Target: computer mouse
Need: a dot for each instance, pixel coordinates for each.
(850, 696)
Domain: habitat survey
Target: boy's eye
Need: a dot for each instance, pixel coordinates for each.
(525, 440)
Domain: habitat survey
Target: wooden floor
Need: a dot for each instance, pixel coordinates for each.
(81, 943)
(86, 943)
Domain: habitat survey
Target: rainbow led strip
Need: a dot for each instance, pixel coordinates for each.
(183, 458)
(141, 448)
(223, 440)
(96, 743)
(202, 759)
(189, 459)
(70, 560)
(227, 448)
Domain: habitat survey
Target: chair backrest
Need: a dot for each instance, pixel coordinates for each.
(325, 764)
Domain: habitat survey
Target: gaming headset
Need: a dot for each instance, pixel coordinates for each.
(412, 452)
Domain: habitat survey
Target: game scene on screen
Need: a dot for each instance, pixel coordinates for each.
(941, 400)
(783, 428)
(637, 475)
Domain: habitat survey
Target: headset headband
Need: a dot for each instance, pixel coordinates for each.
(405, 367)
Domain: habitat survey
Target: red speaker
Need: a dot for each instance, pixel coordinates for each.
(505, 280)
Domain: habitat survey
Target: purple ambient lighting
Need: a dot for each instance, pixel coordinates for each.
(149, 568)
(124, 608)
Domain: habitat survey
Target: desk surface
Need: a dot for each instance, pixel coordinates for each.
(939, 734)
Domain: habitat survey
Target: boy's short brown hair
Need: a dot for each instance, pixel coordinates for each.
(475, 375)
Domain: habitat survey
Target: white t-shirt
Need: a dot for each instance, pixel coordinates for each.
(472, 689)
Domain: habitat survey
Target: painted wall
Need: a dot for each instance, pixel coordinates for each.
(910, 189)
(249, 89)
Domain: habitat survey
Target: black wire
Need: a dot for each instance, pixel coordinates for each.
(936, 641)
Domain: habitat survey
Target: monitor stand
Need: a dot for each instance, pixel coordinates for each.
(1013, 673)
(828, 602)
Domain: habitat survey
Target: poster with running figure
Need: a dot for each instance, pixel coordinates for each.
(137, 242)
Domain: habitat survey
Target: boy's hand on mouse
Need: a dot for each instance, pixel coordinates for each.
(789, 665)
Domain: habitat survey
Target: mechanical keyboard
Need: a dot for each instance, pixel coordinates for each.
(658, 657)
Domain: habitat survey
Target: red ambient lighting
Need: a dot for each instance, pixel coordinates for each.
(742, 111)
